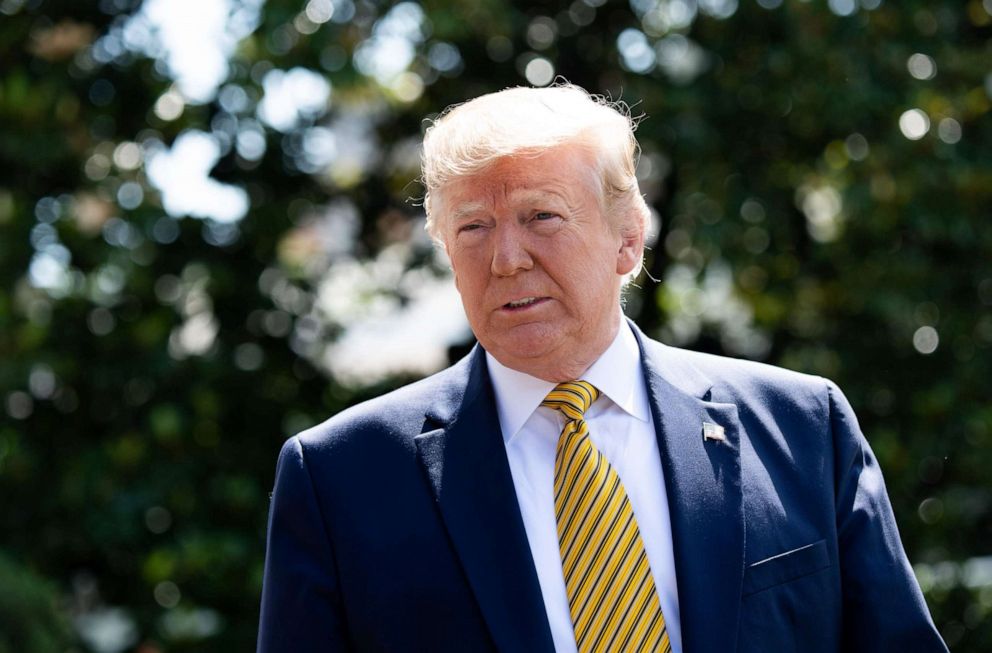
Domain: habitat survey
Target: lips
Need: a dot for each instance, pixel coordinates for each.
(523, 303)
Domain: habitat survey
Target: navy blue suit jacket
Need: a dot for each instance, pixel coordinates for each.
(394, 525)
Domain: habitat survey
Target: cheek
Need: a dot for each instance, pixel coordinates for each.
(593, 278)
(468, 283)
(459, 262)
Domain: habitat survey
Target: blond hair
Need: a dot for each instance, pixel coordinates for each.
(524, 121)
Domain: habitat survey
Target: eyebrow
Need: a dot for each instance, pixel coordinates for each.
(470, 209)
(466, 210)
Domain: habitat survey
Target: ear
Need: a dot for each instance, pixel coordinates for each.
(631, 250)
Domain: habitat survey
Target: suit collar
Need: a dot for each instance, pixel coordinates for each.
(705, 500)
(465, 461)
(672, 366)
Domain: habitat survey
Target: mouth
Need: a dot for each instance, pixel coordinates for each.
(524, 303)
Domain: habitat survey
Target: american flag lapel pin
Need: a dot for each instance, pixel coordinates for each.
(713, 431)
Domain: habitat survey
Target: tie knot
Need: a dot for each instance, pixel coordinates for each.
(572, 398)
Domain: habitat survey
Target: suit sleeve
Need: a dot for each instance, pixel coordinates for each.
(883, 607)
(301, 602)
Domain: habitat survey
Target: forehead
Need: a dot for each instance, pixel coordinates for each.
(564, 173)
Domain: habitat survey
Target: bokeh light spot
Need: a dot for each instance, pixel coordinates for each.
(192, 39)
(949, 130)
(407, 87)
(842, 7)
(233, 99)
(292, 97)
(539, 71)
(42, 381)
(182, 175)
(752, 210)
(165, 230)
(250, 141)
(581, 13)
(127, 156)
(248, 357)
(914, 124)
(921, 66)
(169, 106)
(100, 321)
(158, 519)
(319, 11)
(822, 206)
(718, 8)
(681, 58)
(130, 195)
(167, 594)
(635, 52)
(444, 57)
(19, 405)
(391, 47)
(856, 147)
(541, 33)
(926, 339)
(931, 510)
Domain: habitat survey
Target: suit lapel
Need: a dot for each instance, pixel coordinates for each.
(469, 473)
(703, 483)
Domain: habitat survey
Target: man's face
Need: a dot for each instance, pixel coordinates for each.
(537, 265)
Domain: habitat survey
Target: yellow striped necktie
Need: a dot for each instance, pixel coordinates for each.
(611, 592)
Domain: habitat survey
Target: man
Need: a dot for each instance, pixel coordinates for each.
(572, 484)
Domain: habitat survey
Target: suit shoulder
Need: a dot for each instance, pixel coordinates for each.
(744, 381)
(398, 415)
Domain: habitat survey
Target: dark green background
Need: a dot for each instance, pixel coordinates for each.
(135, 480)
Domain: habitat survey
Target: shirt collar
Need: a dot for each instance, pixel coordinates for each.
(616, 373)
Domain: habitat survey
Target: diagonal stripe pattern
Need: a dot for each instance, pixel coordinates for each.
(611, 592)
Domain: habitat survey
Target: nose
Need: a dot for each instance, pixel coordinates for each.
(510, 251)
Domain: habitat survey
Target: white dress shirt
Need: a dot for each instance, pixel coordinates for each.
(621, 427)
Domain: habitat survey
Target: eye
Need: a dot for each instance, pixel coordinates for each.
(546, 222)
(470, 229)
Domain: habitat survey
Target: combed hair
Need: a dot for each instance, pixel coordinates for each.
(522, 121)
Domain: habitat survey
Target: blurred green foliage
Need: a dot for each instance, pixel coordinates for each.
(30, 621)
(821, 171)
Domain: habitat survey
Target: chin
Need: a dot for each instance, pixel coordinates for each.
(520, 349)
(528, 340)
